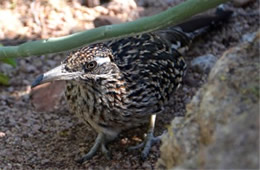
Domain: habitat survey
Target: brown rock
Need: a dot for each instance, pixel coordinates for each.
(242, 3)
(221, 126)
(106, 20)
(91, 3)
(46, 96)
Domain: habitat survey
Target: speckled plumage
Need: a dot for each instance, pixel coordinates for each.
(142, 75)
(122, 83)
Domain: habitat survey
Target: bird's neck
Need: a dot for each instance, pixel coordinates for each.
(107, 90)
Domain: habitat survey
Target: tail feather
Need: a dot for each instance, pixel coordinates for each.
(201, 24)
(181, 35)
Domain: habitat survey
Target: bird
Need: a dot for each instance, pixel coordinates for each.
(120, 84)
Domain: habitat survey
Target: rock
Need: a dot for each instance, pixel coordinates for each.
(9, 23)
(51, 63)
(146, 165)
(238, 138)
(242, 3)
(221, 126)
(45, 97)
(6, 69)
(106, 20)
(26, 67)
(124, 10)
(204, 63)
(249, 37)
(2, 134)
(90, 3)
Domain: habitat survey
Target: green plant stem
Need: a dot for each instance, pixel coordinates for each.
(169, 17)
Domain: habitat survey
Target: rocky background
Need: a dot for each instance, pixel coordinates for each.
(221, 127)
(219, 130)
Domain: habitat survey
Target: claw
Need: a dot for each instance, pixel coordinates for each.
(141, 145)
(99, 143)
(149, 141)
(106, 152)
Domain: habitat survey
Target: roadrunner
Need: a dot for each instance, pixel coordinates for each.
(119, 84)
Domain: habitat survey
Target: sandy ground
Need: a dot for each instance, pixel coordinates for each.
(30, 139)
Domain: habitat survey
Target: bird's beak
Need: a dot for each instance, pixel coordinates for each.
(55, 74)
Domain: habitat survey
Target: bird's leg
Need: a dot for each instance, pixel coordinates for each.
(149, 139)
(100, 143)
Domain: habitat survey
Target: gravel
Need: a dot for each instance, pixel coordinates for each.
(40, 140)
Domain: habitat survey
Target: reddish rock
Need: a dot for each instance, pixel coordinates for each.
(45, 97)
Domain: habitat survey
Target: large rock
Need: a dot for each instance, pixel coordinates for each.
(221, 126)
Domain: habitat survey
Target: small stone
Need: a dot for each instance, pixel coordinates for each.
(102, 10)
(45, 161)
(146, 165)
(30, 68)
(51, 63)
(249, 37)
(26, 68)
(39, 63)
(2, 134)
(26, 82)
(91, 3)
(242, 3)
(106, 20)
(203, 64)
(119, 156)
(6, 69)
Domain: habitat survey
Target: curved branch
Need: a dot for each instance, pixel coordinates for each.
(169, 17)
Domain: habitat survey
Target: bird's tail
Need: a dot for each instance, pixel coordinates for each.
(182, 34)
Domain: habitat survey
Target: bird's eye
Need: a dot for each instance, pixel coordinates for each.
(91, 65)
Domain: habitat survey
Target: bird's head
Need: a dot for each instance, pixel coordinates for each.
(90, 62)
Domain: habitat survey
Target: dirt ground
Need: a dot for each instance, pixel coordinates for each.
(30, 139)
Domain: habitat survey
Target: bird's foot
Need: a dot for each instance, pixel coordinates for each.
(148, 142)
(99, 144)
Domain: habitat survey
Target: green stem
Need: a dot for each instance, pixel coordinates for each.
(169, 17)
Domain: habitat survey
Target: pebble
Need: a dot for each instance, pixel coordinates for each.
(51, 63)
(45, 148)
(146, 165)
(203, 64)
(106, 20)
(249, 37)
(26, 67)
(6, 69)
(242, 3)
(2, 134)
